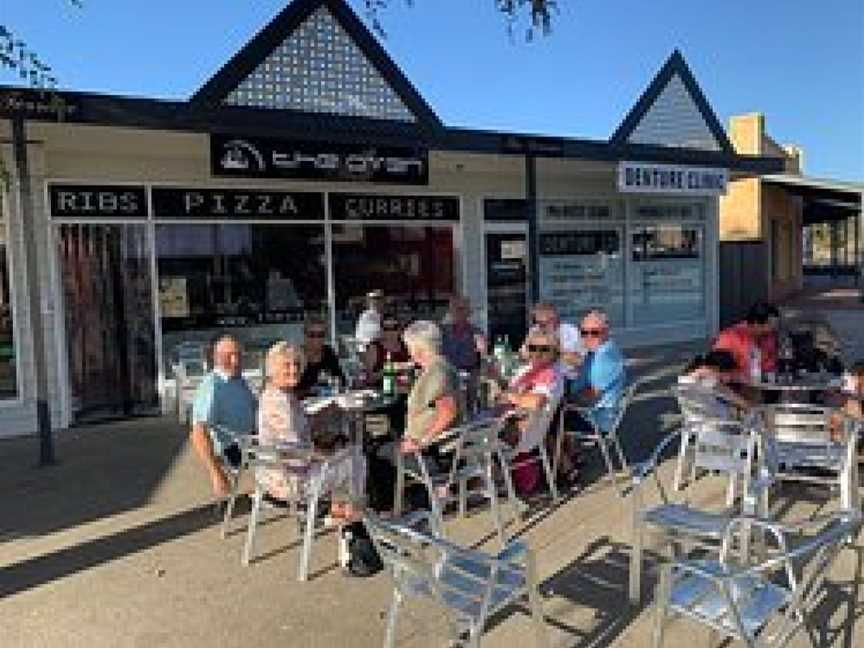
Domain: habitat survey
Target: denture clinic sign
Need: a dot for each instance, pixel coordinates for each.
(637, 177)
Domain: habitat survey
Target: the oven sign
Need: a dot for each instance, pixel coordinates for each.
(270, 158)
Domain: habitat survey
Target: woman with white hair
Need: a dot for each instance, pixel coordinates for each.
(281, 419)
(433, 403)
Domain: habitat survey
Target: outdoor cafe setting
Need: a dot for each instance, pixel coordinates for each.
(389, 435)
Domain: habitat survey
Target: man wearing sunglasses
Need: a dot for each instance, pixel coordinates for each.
(601, 382)
(570, 346)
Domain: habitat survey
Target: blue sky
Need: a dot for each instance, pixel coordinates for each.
(800, 63)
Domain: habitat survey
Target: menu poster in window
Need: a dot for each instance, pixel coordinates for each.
(173, 297)
(580, 271)
(661, 290)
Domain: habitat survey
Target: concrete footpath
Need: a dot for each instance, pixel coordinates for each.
(118, 546)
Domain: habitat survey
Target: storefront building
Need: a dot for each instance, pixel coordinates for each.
(308, 171)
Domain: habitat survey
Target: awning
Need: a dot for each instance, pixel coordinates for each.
(825, 200)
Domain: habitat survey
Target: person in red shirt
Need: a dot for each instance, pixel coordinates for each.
(758, 328)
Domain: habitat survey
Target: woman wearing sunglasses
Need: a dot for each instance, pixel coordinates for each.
(537, 383)
(320, 358)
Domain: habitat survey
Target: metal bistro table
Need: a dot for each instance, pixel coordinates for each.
(799, 389)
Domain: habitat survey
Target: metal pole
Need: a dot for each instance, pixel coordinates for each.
(34, 301)
(531, 217)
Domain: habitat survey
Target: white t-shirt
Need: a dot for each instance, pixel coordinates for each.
(569, 339)
(368, 326)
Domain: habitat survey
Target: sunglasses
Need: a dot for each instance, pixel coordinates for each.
(544, 322)
(591, 332)
(390, 327)
(539, 348)
(315, 334)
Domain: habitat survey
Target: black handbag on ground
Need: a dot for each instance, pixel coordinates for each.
(363, 558)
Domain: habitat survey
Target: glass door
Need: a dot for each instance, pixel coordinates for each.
(106, 282)
(507, 284)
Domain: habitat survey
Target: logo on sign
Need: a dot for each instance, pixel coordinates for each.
(240, 155)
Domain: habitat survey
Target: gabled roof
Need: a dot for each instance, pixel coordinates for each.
(256, 52)
(644, 124)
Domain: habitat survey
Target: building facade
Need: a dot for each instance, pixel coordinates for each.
(309, 171)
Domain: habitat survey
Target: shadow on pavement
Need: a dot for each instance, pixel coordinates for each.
(103, 470)
(43, 569)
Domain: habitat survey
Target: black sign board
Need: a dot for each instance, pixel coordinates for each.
(255, 157)
(244, 204)
(579, 243)
(505, 209)
(97, 201)
(353, 207)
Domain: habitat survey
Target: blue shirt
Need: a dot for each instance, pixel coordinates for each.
(603, 371)
(226, 406)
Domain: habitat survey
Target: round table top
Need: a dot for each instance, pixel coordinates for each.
(355, 400)
(807, 382)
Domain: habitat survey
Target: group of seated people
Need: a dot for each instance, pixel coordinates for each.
(721, 378)
(554, 352)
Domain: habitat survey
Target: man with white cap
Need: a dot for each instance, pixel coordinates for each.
(369, 323)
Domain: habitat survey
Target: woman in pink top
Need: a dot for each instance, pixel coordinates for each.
(533, 387)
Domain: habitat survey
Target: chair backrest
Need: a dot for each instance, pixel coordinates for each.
(623, 405)
(462, 581)
(539, 422)
(804, 424)
(726, 446)
(275, 455)
(698, 403)
(476, 442)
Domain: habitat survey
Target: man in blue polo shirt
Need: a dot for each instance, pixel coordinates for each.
(224, 407)
(602, 379)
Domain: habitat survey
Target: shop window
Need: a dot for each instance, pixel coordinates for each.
(583, 269)
(256, 282)
(8, 372)
(413, 266)
(667, 276)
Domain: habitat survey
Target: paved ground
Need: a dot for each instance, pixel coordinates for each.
(117, 546)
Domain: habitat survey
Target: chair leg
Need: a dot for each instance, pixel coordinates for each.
(253, 522)
(463, 497)
(399, 495)
(610, 467)
(390, 637)
(636, 565)
(541, 638)
(683, 451)
(550, 476)
(731, 489)
(620, 451)
(559, 445)
(663, 593)
(493, 499)
(515, 503)
(229, 505)
(309, 533)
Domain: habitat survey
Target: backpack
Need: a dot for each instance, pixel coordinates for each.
(363, 558)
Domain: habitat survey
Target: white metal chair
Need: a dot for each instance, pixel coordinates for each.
(533, 439)
(697, 404)
(188, 374)
(469, 586)
(475, 449)
(761, 604)
(814, 437)
(724, 446)
(605, 441)
(288, 457)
